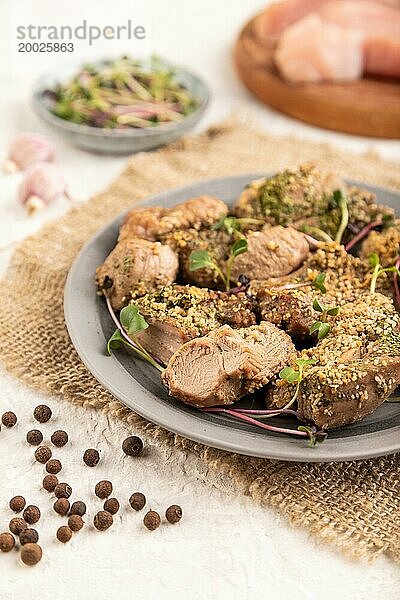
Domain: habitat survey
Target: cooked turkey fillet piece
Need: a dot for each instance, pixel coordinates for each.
(153, 222)
(272, 252)
(227, 364)
(177, 314)
(135, 267)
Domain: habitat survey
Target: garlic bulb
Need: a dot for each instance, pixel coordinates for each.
(42, 184)
(27, 149)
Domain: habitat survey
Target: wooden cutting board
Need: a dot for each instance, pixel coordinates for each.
(368, 107)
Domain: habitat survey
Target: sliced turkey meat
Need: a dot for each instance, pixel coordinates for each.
(227, 364)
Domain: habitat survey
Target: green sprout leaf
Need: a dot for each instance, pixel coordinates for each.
(304, 362)
(323, 331)
(373, 260)
(131, 320)
(315, 437)
(319, 282)
(315, 326)
(289, 375)
(318, 306)
(115, 341)
(239, 247)
(199, 259)
(333, 312)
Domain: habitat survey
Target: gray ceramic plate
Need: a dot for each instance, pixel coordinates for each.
(112, 141)
(138, 385)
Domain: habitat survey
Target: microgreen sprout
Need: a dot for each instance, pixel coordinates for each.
(374, 261)
(131, 323)
(318, 282)
(321, 326)
(252, 417)
(316, 232)
(295, 376)
(200, 259)
(234, 224)
(340, 201)
(315, 436)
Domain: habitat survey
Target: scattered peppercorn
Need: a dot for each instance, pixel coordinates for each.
(9, 419)
(17, 504)
(28, 536)
(152, 520)
(53, 466)
(78, 508)
(31, 514)
(7, 542)
(42, 413)
(103, 489)
(50, 482)
(43, 454)
(59, 438)
(64, 534)
(132, 446)
(137, 501)
(31, 554)
(16, 525)
(91, 457)
(103, 520)
(75, 523)
(111, 505)
(63, 490)
(34, 437)
(173, 514)
(61, 506)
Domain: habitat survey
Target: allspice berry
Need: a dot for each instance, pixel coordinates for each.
(173, 514)
(7, 542)
(132, 446)
(91, 457)
(9, 419)
(34, 437)
(64, 534)
(31, 554)
(78, 508)
(75, 523)
(17, 504)
(63, 490)
(152, 520)
(137, 501)
(61, 506)
(43, 454)
(42, 413)
(16, 525)
(28, 536)
(50, 482)
(53, 466)
(111, 505)
(103, 520)
(59, 438)
(103, 489)
(31, 514)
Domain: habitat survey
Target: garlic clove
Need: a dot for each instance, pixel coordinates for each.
(44, 182)
(34, 204)
(28, 149)
(9, 167)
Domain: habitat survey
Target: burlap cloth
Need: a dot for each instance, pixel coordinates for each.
(355, 505)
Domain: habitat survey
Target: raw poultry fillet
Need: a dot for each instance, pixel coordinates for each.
(332, 40)
(227, 364)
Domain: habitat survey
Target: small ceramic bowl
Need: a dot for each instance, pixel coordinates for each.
(114, 141)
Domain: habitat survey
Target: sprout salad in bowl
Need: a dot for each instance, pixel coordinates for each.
(122, 104)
